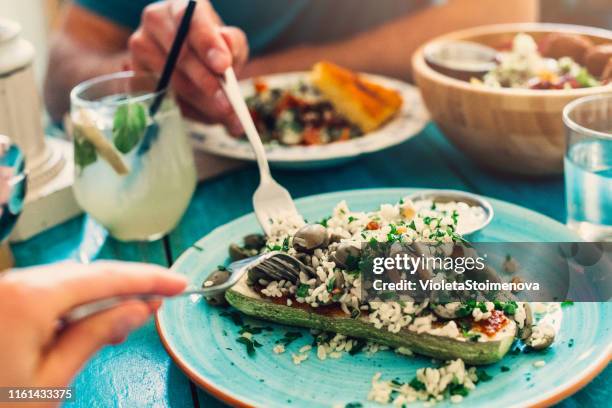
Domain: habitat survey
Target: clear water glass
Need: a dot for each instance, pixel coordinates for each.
(135, 174)
(588, 167)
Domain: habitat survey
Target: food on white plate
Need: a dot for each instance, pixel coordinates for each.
(333, 105)
(362, 101)
(559, 61)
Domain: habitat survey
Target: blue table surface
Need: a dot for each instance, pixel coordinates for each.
(139, 373)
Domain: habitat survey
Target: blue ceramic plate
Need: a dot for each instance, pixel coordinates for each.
(203, 342)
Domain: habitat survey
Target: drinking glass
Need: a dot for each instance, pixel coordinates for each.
(134, 174)
(588, 166)
(12, 195)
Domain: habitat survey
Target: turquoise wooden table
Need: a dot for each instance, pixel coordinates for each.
(139, 373)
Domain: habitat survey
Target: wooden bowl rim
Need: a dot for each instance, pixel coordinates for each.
(420, 67)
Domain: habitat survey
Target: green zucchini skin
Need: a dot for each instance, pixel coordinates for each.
(440, 347)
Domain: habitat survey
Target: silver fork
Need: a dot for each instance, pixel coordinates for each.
(273, 263)
(271, 200)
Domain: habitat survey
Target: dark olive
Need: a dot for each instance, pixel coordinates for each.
(338, 279)
(527, 330)
(236, 252)
(447, 311)
(254, 241)
(346, 256)
(310, 237)
(216, 278)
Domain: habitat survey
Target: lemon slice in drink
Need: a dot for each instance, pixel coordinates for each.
(85, 127)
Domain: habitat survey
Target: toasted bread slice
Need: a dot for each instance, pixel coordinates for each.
(363, 102)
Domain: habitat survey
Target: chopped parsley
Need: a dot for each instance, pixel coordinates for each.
(483, 375)
(289, 338)
(249, 344)
(248, 329)
(458, 389)
(455, 216)
(508, 308)
(302, 290)
(323, 222)
(470, 336)
(235, 316)
(357, 346)
(285, 246)
(417, 385)
(330, 284)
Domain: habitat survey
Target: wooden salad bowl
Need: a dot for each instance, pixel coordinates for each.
(518, 131)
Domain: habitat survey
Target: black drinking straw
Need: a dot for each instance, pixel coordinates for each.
(164, 81)
(179, 39)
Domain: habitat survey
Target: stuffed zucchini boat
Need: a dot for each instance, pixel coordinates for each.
(449, 343)
(320, 288)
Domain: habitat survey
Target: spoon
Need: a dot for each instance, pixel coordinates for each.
(447, 196)
(461, 59)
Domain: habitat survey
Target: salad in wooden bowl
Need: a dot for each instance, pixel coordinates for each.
(509, 118)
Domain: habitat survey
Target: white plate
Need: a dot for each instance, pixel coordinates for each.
(408, 122)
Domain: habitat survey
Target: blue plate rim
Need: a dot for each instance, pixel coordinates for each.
(553, 396)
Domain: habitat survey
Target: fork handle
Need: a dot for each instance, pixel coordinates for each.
(230, 86)
(98, 306)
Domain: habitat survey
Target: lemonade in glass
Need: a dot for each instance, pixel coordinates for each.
(135, 174)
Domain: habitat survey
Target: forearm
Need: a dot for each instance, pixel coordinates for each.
(70, 64)
(387, 50)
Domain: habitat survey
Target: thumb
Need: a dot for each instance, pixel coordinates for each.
(80, 341)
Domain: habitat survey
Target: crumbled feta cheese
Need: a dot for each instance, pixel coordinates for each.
(298, 358)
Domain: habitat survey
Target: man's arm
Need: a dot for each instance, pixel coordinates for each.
(89, 45)
(84, 47)
(387, 49)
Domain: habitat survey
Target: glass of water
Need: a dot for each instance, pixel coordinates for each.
(588, 166)
(135, 174)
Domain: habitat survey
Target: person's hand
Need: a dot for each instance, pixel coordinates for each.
(209, 49)
(34, 351)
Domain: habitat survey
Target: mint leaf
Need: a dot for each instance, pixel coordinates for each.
(84, 152)
(128, 126)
